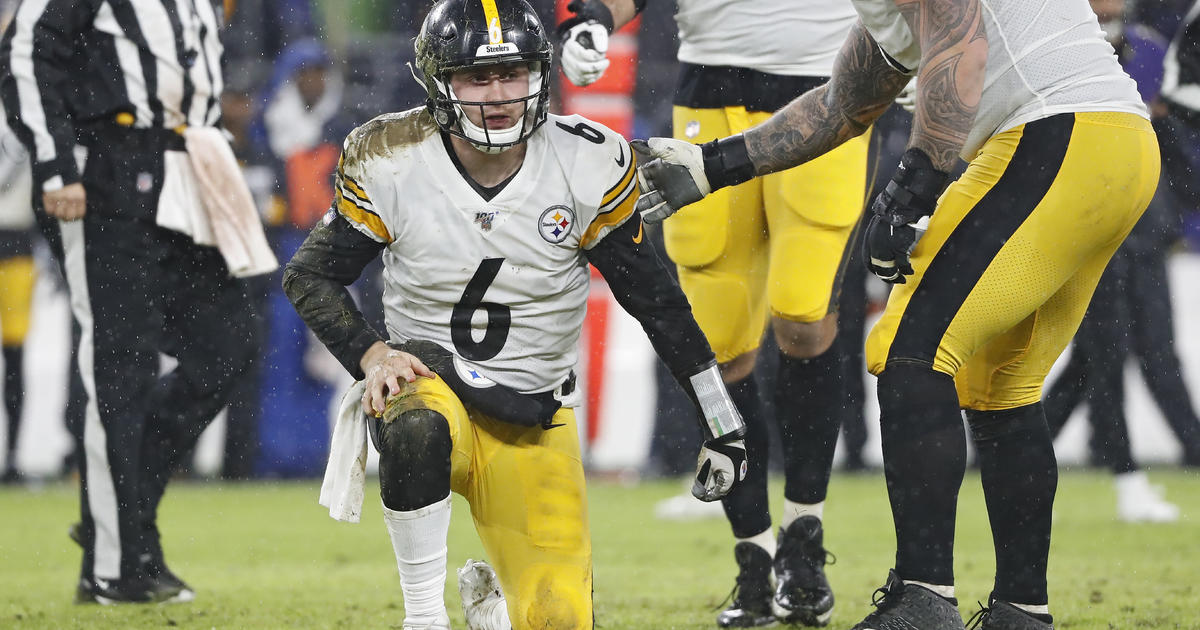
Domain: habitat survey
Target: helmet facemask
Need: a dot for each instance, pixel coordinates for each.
(449, 111)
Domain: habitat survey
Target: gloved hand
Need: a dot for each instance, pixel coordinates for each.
(674, 173)
(898, 211)
(671, 176)
(722, 463)
(584, 39)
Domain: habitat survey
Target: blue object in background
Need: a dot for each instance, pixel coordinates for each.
(294, 422)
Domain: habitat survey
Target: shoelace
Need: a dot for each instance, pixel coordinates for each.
(880, 596)
(976, 620)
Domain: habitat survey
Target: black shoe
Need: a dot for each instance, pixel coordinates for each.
(802, 593)
(901, 606)
(168, 588)
(1004, 616)
(751, 605)
(135, 590)
(164, 585)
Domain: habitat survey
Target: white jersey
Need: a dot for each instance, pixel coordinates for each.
(501, 283)
(1045, 57)
(773, 36)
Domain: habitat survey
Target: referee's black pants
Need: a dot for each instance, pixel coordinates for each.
(138, 290)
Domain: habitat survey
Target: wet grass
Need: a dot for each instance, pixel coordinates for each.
(264, 555)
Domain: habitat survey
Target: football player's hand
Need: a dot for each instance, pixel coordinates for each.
(721, 464)
(384, 368)
(671, 175)
(898, 217)
(585, 42)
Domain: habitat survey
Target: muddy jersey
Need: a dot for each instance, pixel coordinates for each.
(500, 282)
(1045, 57)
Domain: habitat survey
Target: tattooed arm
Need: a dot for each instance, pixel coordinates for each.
(954, 50)
(862, 87)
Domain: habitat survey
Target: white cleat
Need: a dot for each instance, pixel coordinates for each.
(482, 600)
(1140, 502)
(685, 507)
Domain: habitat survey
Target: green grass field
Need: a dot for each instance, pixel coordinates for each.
(267, 556)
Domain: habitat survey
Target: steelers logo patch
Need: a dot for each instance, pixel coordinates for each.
(556, 223)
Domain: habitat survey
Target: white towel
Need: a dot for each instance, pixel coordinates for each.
(205, 196)
(346, 472)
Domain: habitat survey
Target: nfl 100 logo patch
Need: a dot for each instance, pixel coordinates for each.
(556, 223)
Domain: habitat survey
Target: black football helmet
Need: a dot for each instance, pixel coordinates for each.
(460, 34)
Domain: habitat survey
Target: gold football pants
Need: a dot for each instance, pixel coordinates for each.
(1013, 253)
(528, 499)
(776, 242)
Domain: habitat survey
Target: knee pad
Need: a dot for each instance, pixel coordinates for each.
(414, 436)
(988, 426)
(414, 460)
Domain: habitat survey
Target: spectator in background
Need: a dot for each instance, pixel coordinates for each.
(259, 30)
(1130, 311)
(16, 283)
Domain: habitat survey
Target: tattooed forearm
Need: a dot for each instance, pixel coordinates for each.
(861, 88)
(954, 50)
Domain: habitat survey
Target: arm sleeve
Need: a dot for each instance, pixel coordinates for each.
(645, 289)
(36, 53)
(315, 280)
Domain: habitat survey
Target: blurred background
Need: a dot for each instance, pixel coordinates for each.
(302, 73)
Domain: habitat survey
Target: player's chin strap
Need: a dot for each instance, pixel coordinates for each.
(722, 461)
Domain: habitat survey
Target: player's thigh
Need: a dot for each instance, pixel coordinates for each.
(1032, 209)
(529, 502)
(1010, 369)
(720, 246)
(812, 211)
(17, 276)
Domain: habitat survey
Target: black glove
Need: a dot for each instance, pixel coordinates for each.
(892, 233)
(722, 461)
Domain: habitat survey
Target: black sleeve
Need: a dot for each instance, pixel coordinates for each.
(36, 54)
(645, 289)
(315, 280)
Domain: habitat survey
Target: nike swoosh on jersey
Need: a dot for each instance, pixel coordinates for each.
(620, 160)
(638, 238)
(551, 426)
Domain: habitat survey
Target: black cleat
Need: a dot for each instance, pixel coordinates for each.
(136, 590)
(900, 606)
(165, 586)
(1004, 616)
(168, 588)
(751, 605)
(802, 593)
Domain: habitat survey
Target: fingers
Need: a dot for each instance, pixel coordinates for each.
(420, 369)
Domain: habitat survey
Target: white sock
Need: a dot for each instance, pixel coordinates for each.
(766, 540)
(793, 511)
(940, 589)
(419, 540)
(1035, 609)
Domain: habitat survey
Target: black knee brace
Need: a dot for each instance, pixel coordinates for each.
(414, 460)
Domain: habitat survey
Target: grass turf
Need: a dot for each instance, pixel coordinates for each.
(264, 555)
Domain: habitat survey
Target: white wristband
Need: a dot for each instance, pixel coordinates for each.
(720, 415)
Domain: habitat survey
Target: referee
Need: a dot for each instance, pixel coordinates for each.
(99, 91)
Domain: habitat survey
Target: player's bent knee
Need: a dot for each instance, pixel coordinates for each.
(739, 368)
(987, 426)
(551, 607)
(805, 340)
(414, 460)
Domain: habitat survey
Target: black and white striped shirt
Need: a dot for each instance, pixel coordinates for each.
(68, 64)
